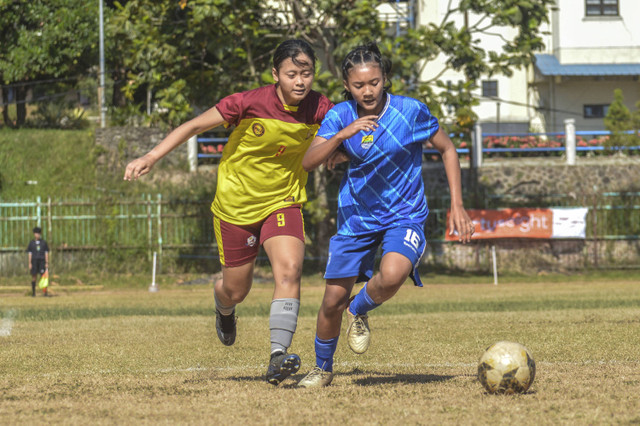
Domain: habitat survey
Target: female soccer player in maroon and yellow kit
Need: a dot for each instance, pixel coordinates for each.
(260, 191)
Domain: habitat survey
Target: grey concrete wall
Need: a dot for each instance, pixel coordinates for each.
(119, 145)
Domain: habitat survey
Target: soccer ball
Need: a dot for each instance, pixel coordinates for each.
(506, 367)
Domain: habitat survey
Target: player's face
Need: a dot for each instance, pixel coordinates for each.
(294, 81)
(366, 85)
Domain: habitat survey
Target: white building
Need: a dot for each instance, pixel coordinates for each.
(593, 48)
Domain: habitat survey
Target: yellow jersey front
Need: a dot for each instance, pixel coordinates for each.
(261, 166)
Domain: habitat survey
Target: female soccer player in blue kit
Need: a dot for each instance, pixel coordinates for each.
(381, 200)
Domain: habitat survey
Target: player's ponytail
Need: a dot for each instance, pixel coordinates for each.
(363, 54)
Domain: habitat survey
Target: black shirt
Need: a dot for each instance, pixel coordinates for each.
(38, 248)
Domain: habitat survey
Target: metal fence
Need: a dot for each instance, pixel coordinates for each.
(207, 148)
(184, 229)
(150, 223)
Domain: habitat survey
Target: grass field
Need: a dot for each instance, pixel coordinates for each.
(122, 355)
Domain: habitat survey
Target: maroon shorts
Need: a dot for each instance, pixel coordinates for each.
(239, 244)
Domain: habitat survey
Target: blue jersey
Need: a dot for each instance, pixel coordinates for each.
(383, 185)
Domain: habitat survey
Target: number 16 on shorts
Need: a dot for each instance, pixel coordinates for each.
(414, 239)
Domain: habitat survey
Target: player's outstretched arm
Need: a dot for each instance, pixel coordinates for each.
(458, 219)
(321, 148)
(143, 165)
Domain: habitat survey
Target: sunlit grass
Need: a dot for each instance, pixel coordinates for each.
(117, 355)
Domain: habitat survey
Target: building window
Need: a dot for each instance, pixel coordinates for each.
(595, 111)
(602, 7)
(490, 88)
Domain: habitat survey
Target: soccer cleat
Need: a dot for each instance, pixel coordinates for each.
(358, 333)
(226, 327)
(281, 366)
(316, 378)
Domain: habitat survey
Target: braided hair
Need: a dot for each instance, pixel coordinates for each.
(364, 54)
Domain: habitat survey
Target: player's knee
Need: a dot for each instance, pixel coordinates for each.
(233, 295)
(392, 276)
(289, 270)
(237, 297)
(332, 306)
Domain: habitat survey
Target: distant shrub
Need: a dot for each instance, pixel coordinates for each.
(59, 115)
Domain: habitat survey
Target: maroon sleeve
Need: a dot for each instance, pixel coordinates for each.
(232, 108)
(324, 107)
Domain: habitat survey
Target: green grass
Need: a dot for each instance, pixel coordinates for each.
(112, 354)
(62, 162)
(64, 165)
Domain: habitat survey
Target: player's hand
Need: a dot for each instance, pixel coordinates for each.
(336, 157)
(139, 167)
(367, 123)
(460, 221)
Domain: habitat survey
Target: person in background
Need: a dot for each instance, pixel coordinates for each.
(38, 251)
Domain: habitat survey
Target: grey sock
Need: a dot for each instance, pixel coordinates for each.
(224, 310)
(282, 323)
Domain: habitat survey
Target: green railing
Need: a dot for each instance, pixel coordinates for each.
(183, 228)
(150, 223)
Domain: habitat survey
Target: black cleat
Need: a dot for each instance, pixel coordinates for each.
(281, 366)
(226, 327)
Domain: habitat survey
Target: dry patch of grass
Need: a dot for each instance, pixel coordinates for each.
(133, 357)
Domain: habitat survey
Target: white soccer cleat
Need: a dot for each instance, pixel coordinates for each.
(317, 378)
(358, 333)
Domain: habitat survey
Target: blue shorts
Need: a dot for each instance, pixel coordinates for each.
(354, 256)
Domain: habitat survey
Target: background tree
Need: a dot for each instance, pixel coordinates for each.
(186, 55)
(635, 124)
(53, 39)
(619, 121)
(336, 26)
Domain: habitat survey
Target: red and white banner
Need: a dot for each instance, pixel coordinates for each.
(526, 223)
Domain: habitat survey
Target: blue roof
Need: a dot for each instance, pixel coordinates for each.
(549, 65)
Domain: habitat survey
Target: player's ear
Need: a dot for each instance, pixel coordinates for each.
(345, 85)
(274, 73)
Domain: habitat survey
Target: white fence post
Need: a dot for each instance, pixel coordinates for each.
(476, 149)
(570, 140)
(192, 154)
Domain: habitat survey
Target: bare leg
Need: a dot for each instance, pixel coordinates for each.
(394, 271)
(235, 284)
(286, 254)
(334, 302)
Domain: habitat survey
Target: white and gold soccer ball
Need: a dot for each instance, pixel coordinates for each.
(506, 367)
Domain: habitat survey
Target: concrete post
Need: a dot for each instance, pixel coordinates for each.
(476, 149)
(570, 140)
(192, 153)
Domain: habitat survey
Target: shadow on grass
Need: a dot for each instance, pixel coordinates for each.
(371, 379)
(401, 378)
(289, 383)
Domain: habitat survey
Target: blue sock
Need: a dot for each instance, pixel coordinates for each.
(324, 352)
(362, 303)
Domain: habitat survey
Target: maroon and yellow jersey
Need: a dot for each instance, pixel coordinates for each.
(261, 166)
